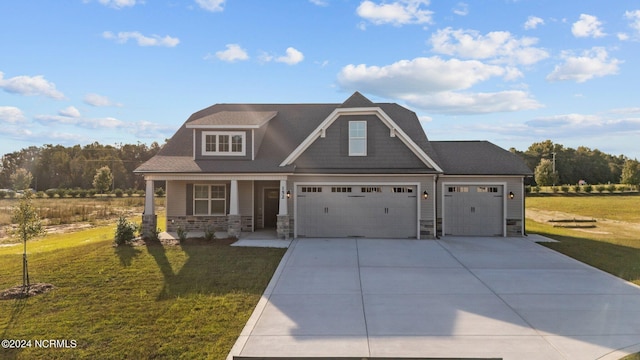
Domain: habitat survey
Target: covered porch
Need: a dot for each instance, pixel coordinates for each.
(235, 205)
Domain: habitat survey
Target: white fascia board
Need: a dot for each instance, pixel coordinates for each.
(215, 127)
(215, 177)
(335, 114)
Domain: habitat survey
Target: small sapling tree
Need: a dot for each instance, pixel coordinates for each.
(28, 227)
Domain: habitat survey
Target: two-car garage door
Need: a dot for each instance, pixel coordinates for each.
(373, 211)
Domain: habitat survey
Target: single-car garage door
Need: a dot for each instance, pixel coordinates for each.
(373, 211)
(473, 210)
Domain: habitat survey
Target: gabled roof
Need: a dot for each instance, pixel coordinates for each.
(478, 158)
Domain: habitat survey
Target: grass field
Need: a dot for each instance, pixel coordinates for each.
(151, 301)
(613, 245)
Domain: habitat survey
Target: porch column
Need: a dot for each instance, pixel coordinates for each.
(149, 217)
(149, 206)
(234, 208)
(234, 219)
(283, 226)
(282, 207)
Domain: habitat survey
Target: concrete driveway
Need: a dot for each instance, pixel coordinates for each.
(451, 298)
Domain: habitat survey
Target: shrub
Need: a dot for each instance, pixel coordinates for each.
(140, 193)
(119, 193)
(91, 193)
(611, 188)
(601, 188)
(209, 233)
(160, 192)
(40, 194)
(73, 193)
(536, 189)
(576, 188)
(182, 234)
(129, 192)
(3, 194)
(82, 193)
(51, 193)
(588, 189)
(12, 194)
(125, 231)
(61, 193)
(622, 188)
(554, 189)
(564, 188)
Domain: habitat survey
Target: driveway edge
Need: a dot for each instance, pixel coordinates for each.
(262, 303)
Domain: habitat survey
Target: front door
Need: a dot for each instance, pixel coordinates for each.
(271, 203)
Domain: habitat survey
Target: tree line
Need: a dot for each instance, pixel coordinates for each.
(70, 167)
(555, 164)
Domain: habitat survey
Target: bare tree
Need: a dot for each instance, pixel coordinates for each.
(29, 226)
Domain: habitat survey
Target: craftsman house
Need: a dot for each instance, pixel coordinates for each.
(356, 169)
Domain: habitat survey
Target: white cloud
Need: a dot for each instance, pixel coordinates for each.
(70, 111)
(581, 125)
(420, 75)
(623, 36)
(533, 22)
(500, 46)
(591, 64)
(587, 26)
(118, 4)
(634, 22)
(30, 86)
(99, 101)
(211, 5)
(319, 2)
(292, 57)
(435, 85)
(462, 9)
(397, 13)
(449, 102)
(11, 114)
(142, 40)
(233, 53)
(89, 123)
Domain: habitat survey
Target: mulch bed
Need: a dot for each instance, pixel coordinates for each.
(20, 292)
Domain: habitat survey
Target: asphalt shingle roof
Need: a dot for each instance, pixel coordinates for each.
(477, 158)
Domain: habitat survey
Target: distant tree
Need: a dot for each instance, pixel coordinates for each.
(544, 174)
(103, 179)
(21, 179)
(28, 226)
(630, 173)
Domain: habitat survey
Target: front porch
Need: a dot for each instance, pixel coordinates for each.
(236, 207)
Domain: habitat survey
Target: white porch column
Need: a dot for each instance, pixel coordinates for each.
(149, 208)
(234, 206)
(282, 206)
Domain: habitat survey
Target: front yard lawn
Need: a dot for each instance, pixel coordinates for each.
(163, 302)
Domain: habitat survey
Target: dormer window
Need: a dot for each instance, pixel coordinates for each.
(223, 143)
(357, 138)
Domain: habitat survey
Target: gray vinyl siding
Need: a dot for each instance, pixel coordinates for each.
(383, 151)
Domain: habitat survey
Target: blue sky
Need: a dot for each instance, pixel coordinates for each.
(512, 72)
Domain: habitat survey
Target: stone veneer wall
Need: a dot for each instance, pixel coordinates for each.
(197, 223)
(514, 227)
(426, 229)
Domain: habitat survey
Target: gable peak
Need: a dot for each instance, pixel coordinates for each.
(356, 100)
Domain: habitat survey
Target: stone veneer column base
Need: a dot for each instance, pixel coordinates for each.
(234, 225)
(149, 224)
(283, 227)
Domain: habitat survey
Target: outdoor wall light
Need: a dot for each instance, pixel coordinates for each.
(425, 195)
(288, 194)
(511, 195)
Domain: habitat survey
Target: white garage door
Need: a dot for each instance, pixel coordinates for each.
(473, 210)
(373, 211)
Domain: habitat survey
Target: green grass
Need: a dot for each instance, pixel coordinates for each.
(151, 301)
(613, 246)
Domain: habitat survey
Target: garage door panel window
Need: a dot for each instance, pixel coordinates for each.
(487, 189)
(344, 189)
(454, 189)
(402, 189)
(209, 199)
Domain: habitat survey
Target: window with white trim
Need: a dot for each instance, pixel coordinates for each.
(209, 199)
(357, 138)
(224, 143)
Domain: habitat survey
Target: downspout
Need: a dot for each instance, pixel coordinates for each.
(435, 219)
(524, 208)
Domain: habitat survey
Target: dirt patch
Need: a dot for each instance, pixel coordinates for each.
(545, 216)
(20, 292)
